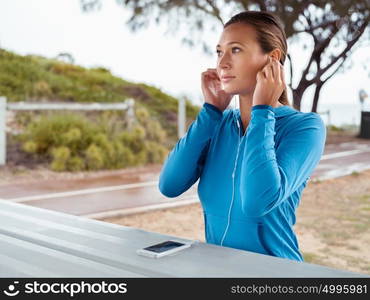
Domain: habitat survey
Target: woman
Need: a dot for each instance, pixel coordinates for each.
(252, 162)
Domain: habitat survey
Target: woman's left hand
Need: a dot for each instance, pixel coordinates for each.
(270, 84)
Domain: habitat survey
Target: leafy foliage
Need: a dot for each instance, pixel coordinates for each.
(73, 142)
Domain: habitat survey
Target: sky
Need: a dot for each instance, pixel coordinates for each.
(49, 27)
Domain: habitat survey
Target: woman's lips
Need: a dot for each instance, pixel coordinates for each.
(227, 79)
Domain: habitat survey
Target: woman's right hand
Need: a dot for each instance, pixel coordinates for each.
(212, 90)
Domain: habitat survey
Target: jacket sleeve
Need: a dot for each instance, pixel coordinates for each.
(184, 163)
(268, 175)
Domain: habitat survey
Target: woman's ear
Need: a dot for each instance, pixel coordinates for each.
(276, 53)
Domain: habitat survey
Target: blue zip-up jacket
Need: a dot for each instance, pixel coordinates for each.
(277, 154)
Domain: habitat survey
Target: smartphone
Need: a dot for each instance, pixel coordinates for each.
(163, 249)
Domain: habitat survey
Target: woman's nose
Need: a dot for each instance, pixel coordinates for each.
(224, 62)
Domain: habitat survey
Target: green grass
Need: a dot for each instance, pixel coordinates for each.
(351, 247)
(316, 181)
(365, 269)
(335, 236)
(344, 128)
(334, 128)
(311, 257)
(364, 198)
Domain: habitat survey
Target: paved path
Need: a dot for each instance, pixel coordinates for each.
(132, 192)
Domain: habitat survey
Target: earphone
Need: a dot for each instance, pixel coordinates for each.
(233, 179)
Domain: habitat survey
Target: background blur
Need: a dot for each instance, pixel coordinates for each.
(101, 38)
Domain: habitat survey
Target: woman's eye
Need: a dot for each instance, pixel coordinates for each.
(218, 51)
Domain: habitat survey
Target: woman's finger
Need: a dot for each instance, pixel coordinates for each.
(260, 75)
(267, 70)
(265, 73)
(271, 68)
(210, 76)
(276, 66)
(213, 72)
(282, 74)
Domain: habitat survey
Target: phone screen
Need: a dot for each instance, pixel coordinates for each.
(162, 247)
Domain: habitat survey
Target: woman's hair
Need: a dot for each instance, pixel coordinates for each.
(270, 35)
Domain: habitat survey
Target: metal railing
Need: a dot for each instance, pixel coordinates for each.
(181, 120)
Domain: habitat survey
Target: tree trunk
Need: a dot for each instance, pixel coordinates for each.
(297, 97)
(316, 96)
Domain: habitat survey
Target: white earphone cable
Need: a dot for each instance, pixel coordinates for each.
(233, 186)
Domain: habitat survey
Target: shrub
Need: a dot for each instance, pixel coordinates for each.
(334, 128)
(60, 158)
(73, 142)
(94, 157)
(75, 163)
(155, 153)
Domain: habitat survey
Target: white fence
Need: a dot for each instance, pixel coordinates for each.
(181, 120)
(4, 106)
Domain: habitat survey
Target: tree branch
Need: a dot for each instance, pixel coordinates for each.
(322, 25)
(262, 5)
(216, 10)
(308, 19)
(305, 71)
(290, 70)
(245, 4)
(335, 71)
(343, 54)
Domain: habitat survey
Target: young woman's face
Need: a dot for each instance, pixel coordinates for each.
(242, 59)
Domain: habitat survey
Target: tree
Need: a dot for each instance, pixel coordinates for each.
(332, 30)
(66, 57)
